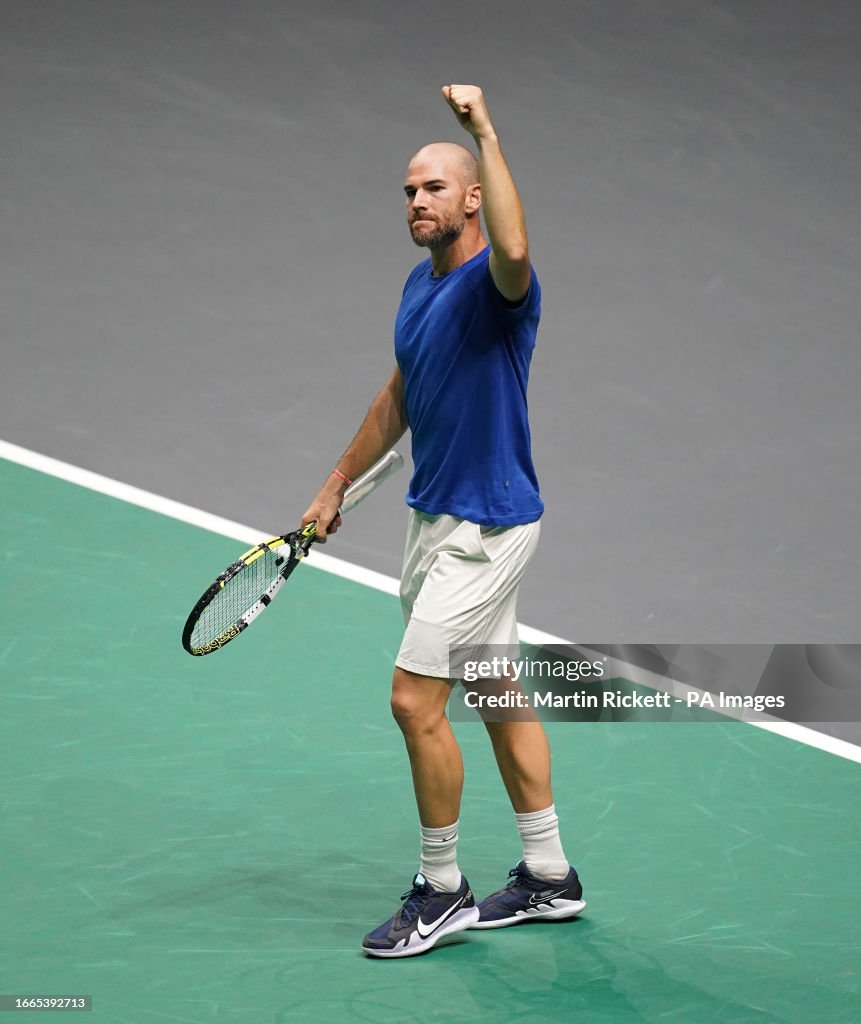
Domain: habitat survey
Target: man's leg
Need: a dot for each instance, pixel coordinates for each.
(523, 756)
(418, 705)
(544, 885)
(440, 901)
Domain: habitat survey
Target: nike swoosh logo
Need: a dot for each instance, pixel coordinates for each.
(542, 898)
(425, 930)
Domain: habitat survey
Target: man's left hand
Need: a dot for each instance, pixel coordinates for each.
(469, 108)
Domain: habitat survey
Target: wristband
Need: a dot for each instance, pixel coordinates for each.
(341, 476)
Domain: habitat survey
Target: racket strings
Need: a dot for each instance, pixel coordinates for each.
(236, 598)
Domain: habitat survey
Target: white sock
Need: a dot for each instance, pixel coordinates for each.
(439, 857)
(542, 848)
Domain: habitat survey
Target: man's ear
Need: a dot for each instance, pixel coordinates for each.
(473, 198)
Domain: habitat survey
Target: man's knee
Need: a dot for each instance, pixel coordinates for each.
(418, 702)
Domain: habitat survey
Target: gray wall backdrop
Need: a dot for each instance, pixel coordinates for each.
(203, 247)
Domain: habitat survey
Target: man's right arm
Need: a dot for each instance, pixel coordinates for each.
(384, 425)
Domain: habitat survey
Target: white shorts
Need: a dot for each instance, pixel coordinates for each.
(459, 589)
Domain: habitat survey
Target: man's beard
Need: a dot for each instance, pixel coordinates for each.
(442, 233)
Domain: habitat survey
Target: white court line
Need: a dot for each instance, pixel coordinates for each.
(328, 563)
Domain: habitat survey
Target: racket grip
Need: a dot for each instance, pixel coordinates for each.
(369, 481)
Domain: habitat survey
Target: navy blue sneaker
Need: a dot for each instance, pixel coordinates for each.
(529, 898)
(427, 915)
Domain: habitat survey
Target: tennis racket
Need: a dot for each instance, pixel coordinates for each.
(247, 587)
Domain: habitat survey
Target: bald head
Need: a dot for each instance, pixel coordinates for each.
(443, 197)
(450, 158)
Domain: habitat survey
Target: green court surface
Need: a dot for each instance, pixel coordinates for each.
(209, 839)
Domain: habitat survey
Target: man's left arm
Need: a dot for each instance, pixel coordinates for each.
(503, 211)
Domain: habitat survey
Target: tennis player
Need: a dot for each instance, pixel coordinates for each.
(464, 336)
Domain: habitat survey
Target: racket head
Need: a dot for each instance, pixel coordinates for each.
(245, 589)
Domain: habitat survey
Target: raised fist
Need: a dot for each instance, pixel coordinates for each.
(469, 108)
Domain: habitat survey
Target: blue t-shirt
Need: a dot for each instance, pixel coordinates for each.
(464, 355)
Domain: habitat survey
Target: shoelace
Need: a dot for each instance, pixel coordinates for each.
(515, 875)
(414, 898)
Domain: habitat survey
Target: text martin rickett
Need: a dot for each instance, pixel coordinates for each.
(549, 699)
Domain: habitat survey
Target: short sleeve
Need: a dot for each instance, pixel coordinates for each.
(529, 304)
